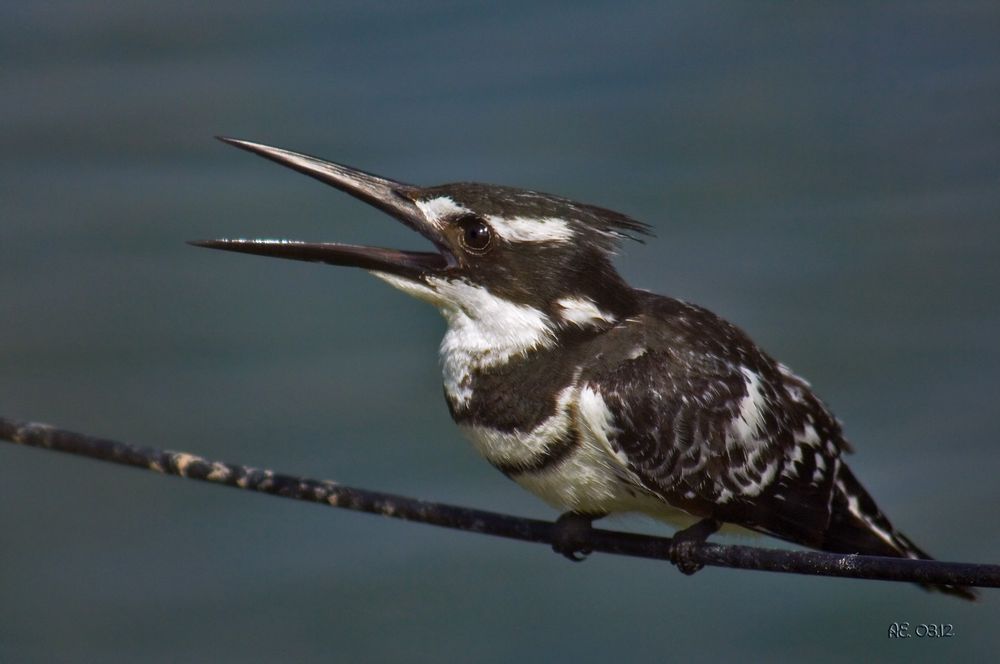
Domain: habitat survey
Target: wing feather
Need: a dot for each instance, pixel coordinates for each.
(712, 425)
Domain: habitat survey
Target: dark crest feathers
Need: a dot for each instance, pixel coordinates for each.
(605, 226)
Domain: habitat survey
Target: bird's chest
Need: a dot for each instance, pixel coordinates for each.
(565, 460)
(517, 393)
(525, 410)
(494, 344)
(541, 438)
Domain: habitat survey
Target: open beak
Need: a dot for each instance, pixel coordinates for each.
(394, 198)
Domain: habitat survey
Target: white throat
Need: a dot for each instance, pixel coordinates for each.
(484, 330)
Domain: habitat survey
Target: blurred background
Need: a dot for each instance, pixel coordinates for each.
(828, 178)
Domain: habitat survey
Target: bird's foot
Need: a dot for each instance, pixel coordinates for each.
(571, 535)
(684, 542)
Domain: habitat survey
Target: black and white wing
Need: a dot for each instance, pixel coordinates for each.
(712, 425)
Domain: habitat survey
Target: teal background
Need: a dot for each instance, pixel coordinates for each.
(826, 176)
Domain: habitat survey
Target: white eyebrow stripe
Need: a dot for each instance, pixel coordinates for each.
(436, 210)
(532, 229)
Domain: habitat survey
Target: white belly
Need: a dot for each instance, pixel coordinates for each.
(587, 481)
(592, 478)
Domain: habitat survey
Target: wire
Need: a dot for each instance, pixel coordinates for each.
(334, 494)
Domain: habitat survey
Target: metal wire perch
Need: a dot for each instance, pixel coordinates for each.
(333, 494)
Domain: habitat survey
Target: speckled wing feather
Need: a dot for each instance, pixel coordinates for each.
(711, 424)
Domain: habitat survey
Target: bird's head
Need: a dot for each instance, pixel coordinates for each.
(498, 250)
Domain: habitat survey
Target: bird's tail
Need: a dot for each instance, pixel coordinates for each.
(857, 525)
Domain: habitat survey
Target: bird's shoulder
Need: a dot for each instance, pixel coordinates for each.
(680, 340)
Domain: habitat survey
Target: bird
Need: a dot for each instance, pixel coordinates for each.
(597, 397)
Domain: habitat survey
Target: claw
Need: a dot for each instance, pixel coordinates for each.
(571, 535)
(682, 555)
(686, 541)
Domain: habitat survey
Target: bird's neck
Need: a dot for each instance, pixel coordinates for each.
(487, 338)
(502, 339)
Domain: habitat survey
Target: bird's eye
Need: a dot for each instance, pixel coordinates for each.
(476, 235)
